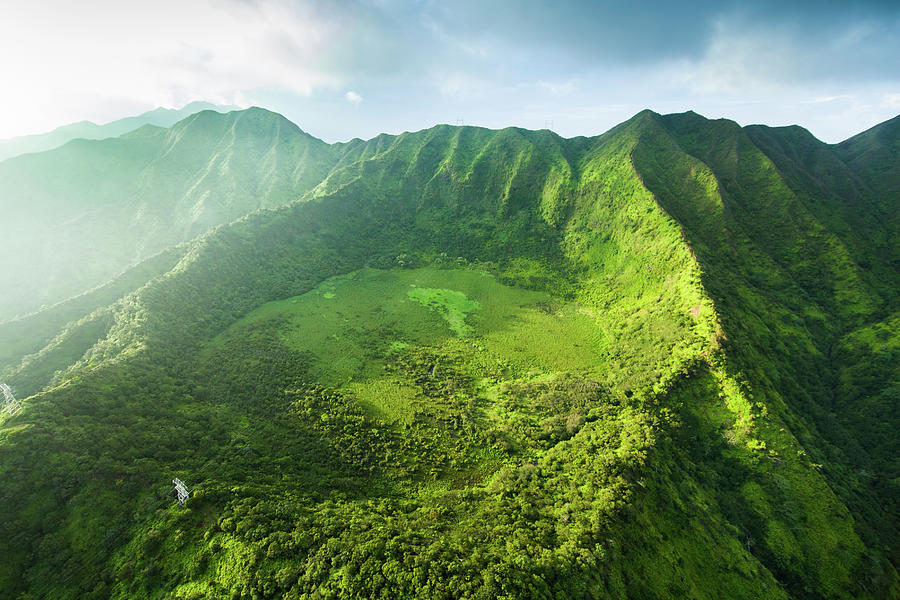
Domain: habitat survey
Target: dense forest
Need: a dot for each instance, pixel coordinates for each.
(663, 362)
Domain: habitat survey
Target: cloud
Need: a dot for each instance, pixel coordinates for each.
(353, 98)
(558, 89)
(579, 33)
(789, 52)
(88, 56)
(824, 99)
(891, 102)
(102, 59)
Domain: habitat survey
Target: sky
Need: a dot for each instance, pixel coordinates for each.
(356, 68)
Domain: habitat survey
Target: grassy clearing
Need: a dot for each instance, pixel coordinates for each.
(352, 325)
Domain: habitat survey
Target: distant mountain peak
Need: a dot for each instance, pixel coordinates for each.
(160, 117)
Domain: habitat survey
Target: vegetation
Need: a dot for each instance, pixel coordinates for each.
(83, 213)
(485, 364)
(29, 334)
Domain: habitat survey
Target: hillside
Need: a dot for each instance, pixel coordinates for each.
(472, 364)
(81, 214)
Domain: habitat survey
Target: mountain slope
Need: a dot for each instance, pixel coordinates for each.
(161, 117)
(81, 214)
(839, 193)
(786, 292)
(874, 152)
(30, 346)
(486, 364)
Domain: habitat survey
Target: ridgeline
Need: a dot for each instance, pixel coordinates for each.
(455, 363)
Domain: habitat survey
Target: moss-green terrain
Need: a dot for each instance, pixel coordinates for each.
(658, 363)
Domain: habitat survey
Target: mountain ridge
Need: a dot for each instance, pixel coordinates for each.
(713, 438)
(120, 200)
(41, 142)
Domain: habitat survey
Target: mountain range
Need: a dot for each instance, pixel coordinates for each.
(455, 363)
(161, 117)
(82, 213)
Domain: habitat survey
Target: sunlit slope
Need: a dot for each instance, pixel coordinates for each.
(493, 425)
(851, 189)
(791, 270)
(475, 364)
(77, 216)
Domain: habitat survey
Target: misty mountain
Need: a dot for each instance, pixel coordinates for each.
(78, 215)
(160, 117)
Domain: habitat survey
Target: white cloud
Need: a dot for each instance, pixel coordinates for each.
(558, 89)
(890, 102)
(94, 58)
(823, 99)
(422, 62)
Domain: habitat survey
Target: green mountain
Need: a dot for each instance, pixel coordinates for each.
(464, 363)
(83, 213)
(160, 117)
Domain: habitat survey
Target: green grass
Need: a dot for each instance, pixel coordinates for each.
(352, 325)
(450, 304)
(386, 399)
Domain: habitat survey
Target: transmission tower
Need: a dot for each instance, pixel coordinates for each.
(10, 403)
(460, 121)
(181, 490)
(548, 125)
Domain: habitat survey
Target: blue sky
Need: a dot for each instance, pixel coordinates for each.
(357, 68)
